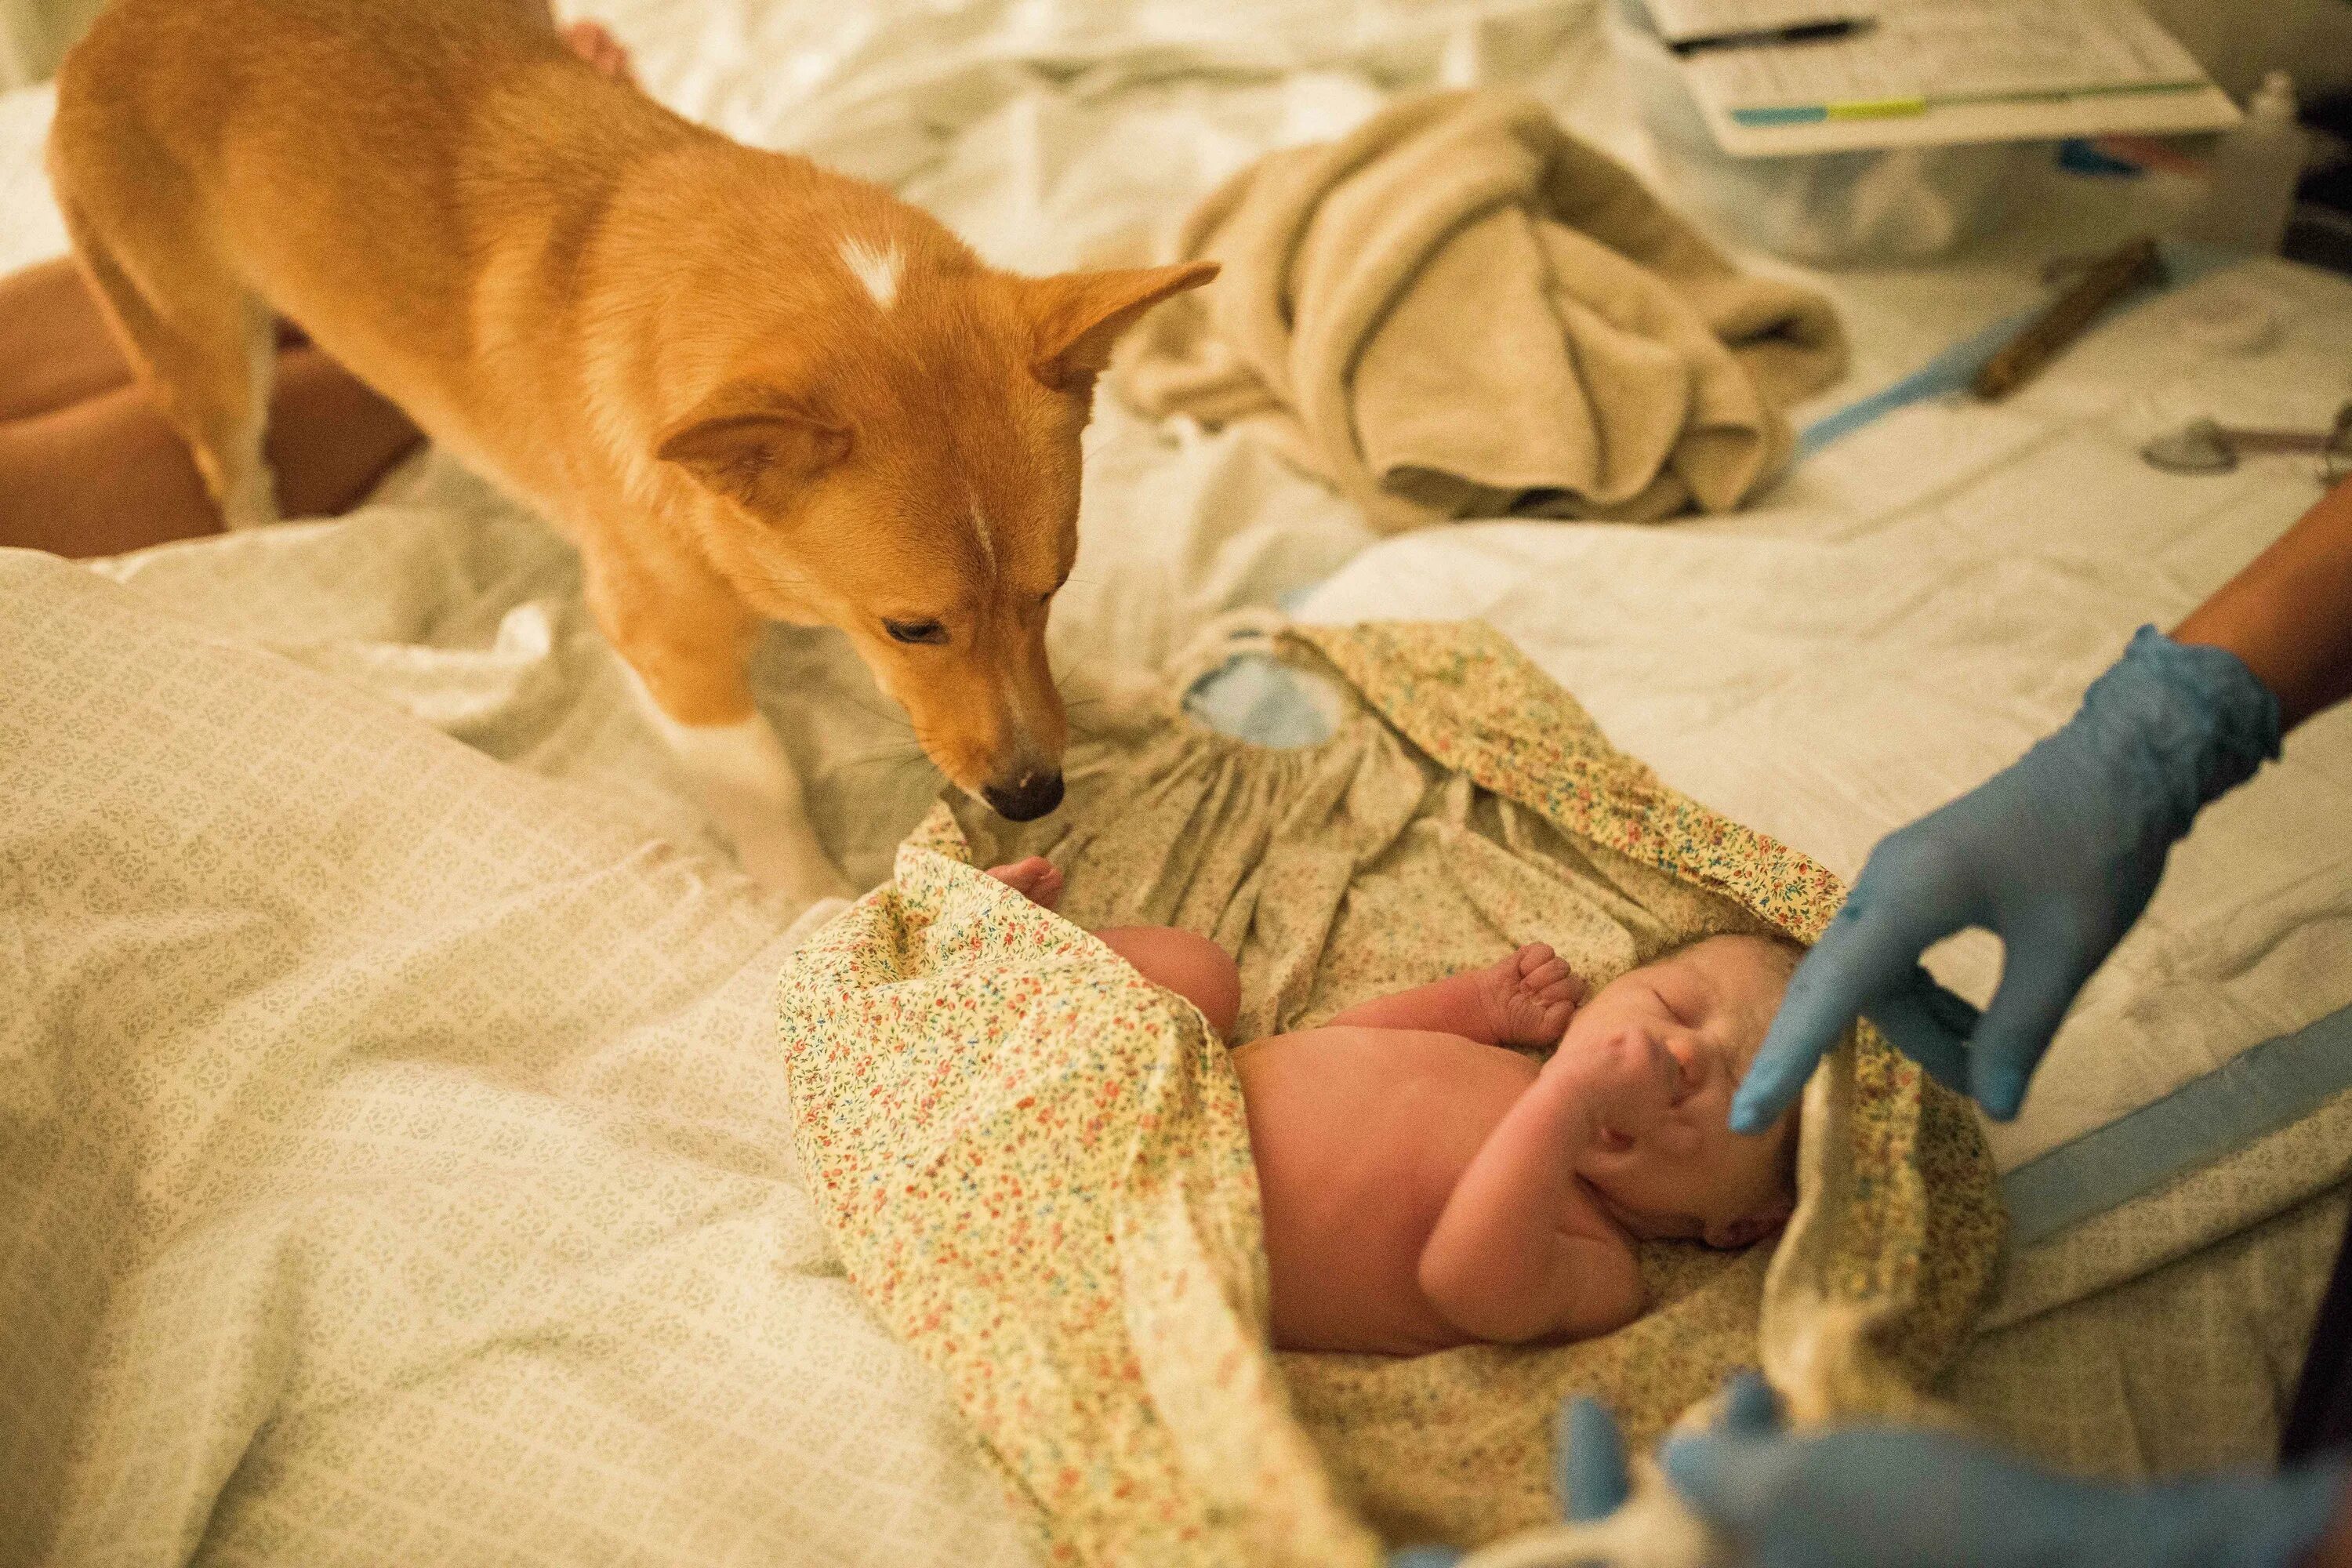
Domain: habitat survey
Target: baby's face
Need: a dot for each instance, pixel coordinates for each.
(1659, 1051)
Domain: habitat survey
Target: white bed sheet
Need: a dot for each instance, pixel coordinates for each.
(1904, 616)
(413, 1193)
(395, 1159)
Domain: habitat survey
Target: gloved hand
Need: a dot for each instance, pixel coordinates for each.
(2057, 854)
(1863, 1497)
(1587, 1472)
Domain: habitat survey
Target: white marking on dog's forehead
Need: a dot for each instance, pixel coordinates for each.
(875, 265)
(987, 540)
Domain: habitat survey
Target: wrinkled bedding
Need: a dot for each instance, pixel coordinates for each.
(486, 991)
(1035, 1164)
(1459, 310)
(1913, 608)
(395, 1162)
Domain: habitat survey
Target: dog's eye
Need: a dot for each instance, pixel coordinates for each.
(917, 631)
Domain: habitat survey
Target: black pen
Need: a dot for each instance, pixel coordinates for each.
(1802, 33)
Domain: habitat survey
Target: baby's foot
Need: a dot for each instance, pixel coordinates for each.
(594, 42)
(1039, 880)
(1530, 996)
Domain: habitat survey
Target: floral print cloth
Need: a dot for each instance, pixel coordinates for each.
(1036, 1168)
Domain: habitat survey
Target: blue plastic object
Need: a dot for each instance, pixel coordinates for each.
(1874, 1497)
(1951, 371)
(2056, 855)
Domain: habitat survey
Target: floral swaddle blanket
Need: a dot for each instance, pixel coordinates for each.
(1035, 1166)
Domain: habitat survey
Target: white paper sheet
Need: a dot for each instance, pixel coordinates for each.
(1677, 20)
(1956, 51)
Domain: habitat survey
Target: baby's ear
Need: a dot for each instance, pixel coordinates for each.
(1749, 1229)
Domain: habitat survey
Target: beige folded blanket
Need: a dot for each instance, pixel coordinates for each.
(1461, 311)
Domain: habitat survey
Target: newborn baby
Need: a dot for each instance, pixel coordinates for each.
(1425, 1186)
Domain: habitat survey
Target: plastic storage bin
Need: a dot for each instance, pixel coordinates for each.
(1902, 203)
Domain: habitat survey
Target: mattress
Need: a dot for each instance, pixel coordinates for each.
(1893, 622)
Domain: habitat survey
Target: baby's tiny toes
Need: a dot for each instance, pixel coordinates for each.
(1031, 877)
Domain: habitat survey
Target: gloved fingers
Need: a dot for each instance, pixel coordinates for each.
(1725, 1473)
(1731, 1478)
(1869, 951)
(1750, 1408)
(2043, 965)
(1930, 1026)
(1591, 1459)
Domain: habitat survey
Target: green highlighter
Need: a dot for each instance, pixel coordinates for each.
(1812, 113)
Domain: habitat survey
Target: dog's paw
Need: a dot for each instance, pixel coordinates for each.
(252, 501)
(781, 854)
(791, 862)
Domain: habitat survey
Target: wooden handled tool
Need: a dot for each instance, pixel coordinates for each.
(2047, 335)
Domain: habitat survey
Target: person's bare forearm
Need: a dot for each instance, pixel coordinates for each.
(2289, 614)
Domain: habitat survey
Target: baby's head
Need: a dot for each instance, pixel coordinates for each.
(1664, 1047)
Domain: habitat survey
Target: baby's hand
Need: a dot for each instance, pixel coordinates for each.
(1613, 1100)
(1530, 996)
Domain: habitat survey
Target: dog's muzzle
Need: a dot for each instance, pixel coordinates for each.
(1026, 799)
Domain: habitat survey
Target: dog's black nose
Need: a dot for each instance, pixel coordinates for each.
(1028, 798)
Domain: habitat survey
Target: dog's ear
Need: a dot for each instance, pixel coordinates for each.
(754, 443)
(1081, 314)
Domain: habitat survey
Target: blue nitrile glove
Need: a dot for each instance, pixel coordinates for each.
(1875, 1497)
(2056, 855)
(1425, 1557)
(1589, 1462)
(1589, 1472)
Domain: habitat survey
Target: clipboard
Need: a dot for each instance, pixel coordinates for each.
(1939, 72)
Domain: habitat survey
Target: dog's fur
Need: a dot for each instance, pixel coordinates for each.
(743, 386)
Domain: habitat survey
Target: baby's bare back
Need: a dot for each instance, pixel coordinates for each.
(1360, 1135)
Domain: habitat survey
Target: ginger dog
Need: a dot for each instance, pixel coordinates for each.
(744, 387)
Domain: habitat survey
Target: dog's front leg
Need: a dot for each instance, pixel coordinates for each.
(686, 640)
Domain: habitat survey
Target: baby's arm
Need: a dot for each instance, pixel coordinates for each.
(1454, 1006)
(1521, 1251)
(1525, 999)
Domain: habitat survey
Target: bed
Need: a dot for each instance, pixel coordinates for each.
(425, 1193)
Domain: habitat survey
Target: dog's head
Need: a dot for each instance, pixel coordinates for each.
(909, 473)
